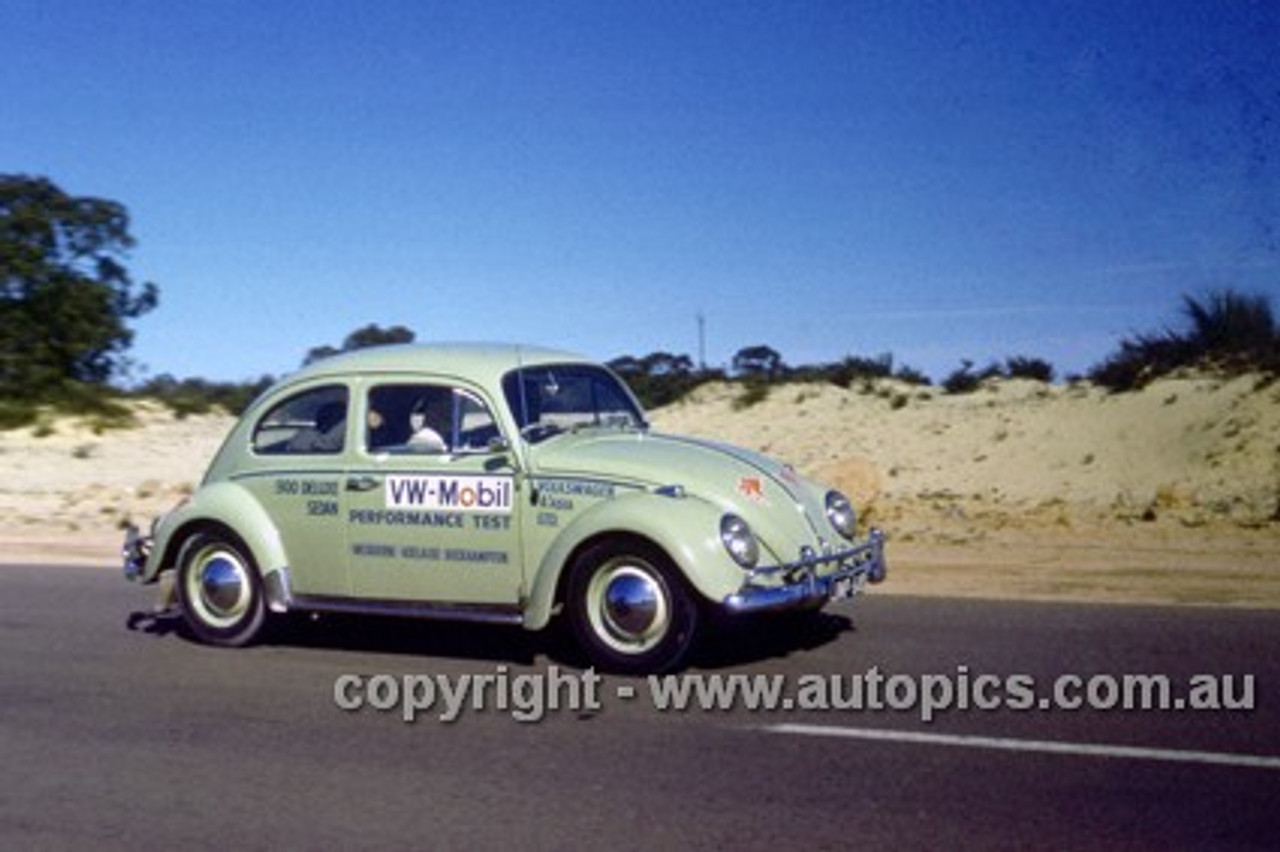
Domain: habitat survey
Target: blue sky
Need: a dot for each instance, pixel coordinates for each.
(939, 180)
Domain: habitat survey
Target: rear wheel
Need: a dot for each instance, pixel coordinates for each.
(630, 609)
(220, 589)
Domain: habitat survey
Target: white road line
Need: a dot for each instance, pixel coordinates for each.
(1043, 746)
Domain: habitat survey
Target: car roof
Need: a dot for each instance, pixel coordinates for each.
(480, 361)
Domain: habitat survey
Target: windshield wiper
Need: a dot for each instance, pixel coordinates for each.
(535, 432)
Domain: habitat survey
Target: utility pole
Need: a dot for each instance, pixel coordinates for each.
(702, 342)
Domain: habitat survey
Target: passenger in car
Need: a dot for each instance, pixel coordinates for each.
(326, 436)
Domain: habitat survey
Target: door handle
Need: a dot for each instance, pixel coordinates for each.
(362, 483)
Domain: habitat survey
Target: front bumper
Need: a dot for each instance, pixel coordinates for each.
(804, 587)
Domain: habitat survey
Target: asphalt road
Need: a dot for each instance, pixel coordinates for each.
(117, 731)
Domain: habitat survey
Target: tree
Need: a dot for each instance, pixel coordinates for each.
(761, 362)
(363, 338)
(65, 294)
(659, 378)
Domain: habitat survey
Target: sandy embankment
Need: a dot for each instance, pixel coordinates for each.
(1026, 489)
(1020, 489)
(68, 489)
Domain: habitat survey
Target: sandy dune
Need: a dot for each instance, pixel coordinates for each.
(1168, 494)
(1022, 488)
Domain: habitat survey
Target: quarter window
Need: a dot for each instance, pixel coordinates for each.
(313, 422)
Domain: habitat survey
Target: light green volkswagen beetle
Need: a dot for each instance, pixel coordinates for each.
(494, 483)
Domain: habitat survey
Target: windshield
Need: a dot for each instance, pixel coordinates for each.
(548, 400)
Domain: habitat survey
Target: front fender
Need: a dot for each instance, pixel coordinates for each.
(685, 528)
(222, 504)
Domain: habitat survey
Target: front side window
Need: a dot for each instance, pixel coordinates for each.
(313, 422)
(548, 400)
(421, 418)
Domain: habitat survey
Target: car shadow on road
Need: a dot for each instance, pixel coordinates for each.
(381, 635)
(413, 637)
(743, 641)
(166, 623)
(723, 644)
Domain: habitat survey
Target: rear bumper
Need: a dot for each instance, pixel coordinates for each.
(812, 581)
(134, 553)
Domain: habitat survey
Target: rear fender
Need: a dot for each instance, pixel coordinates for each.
(223, 505)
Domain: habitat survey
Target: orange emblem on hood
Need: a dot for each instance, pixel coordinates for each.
(752, 488)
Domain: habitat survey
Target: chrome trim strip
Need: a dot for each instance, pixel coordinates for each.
(477, 613)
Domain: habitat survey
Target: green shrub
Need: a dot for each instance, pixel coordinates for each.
(966, 380)
(754, 392)
(1227, 332)
(1021, 367)
(16, 415)
(187, 397)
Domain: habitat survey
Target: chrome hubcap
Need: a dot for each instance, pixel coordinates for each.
(631, 603)
(629, 607)
(222, 585)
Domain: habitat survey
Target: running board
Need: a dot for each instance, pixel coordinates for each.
(280, 598)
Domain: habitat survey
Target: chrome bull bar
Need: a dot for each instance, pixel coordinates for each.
(805, 587)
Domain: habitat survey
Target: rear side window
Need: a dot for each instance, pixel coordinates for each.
(313, 422)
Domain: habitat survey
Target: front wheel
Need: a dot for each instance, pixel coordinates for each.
(630, 609)
(220, 590)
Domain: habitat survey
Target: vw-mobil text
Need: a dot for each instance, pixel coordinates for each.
(457, 493)
(530, 696)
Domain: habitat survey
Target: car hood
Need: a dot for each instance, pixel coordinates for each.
(763, 491)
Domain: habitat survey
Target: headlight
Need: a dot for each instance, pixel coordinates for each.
(841, 514)
(739, 540)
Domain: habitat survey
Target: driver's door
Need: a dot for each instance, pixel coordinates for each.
(431, 504)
